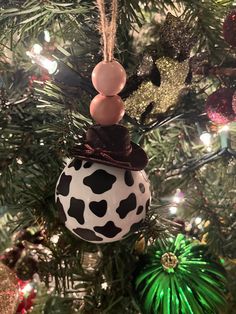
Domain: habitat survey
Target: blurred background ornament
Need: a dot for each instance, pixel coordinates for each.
(27, 294)
(180, 276)
(229, 28)
(173, 75)
(9, 294)
(90, 261)
(219, 106)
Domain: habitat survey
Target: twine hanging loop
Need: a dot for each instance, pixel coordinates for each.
(108, 28)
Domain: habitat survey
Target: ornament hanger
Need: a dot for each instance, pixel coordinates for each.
(108, 29)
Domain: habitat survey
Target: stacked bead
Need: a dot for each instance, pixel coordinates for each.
(109, 78)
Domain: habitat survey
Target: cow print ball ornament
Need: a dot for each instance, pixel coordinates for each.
(101, 203)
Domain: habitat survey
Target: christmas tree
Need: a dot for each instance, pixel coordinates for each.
(96, 97)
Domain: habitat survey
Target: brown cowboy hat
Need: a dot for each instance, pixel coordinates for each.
(111, 145)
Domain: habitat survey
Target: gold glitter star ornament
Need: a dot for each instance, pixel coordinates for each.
(173, 75)
(9, 290)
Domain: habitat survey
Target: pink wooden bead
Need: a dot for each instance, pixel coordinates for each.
(109, 78)
(107, 110)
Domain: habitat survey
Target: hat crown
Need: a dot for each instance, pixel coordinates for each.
(113, 138)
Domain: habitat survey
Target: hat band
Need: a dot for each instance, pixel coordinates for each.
(107, 155)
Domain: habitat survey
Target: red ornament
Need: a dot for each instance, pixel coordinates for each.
(219, 106)
(109, 78)
(234, 104)
(27, 296)
(107, 110)
(229, 28)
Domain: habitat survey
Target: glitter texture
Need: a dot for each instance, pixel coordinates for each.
(173, 75)
(219, 106)
(8, 290)
(176, 38)
(229, 28)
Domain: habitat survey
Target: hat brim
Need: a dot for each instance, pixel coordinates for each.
(137, 159)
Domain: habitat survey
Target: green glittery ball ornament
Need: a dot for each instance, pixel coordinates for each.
(179, 276)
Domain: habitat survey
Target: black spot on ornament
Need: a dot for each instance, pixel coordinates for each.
(126, 206)
(147, 205)
(76, 210)
(135, 227)
(139, 210)
(87, 234)
(61, 212)
(109, 230)
(76, 163)
(141, 187)
(129, 180)
(88, 164)
(63, 187)
(98, 208)
(100, 181)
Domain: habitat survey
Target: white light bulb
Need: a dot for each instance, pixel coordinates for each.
(224, 128)
(27, 288)
(198, 220)
(176, 199)
(55, 238)
(173, 210)
(19, 161)
(49, 65)
(36, 57)
(37, 49)
(206, 138)
(47, 37)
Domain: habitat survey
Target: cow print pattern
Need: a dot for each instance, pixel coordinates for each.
(61, 213)
(129, 180)
(98, 208)
(76, 210)
(87, 234)
(88, 164)
(135, 227)
(76, 163)
(99, 203)
(63, 187)
(100, 181)
(109, 230)
(142, 187)
(139, 210)
(127, 205)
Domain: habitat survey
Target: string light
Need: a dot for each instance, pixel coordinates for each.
(198, 220)
(205, 138)
(224, 136)
(36, 49)
(173, 210)
(178, 197)
(224, 128)
(36, 57)
(27, 288)
(47, 36)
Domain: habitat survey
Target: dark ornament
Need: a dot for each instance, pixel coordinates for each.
(219, 106)
(229, 28)
(26, 267)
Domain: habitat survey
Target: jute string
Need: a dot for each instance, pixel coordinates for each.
(108, 28)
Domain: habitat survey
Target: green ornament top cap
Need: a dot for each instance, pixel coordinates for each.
(169, 261)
